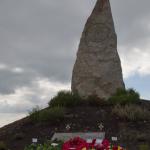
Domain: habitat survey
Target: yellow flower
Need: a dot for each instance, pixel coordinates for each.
(119, 148)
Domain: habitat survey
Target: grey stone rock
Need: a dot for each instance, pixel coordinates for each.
(97, 70)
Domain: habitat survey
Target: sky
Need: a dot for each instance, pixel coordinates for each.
(38, 44)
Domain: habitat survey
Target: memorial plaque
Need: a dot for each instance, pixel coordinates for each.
(34, 140)
(114, 139)
(86, 136)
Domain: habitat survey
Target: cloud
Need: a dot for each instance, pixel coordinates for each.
(24, 98)
(17, 70)
(42, 36)
(3, 67)
(138, 62)
(133, 30)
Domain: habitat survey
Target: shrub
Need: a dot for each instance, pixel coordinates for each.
(51, 114)
(131, 112)
(66, 99)
(123, 97)
(34, 114)
(94, 100)
(3, 146)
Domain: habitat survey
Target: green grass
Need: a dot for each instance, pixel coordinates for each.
(131, 112)
(65, 99)
(123, 97)
(53, 114)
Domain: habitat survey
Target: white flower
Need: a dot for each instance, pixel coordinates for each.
(54, 144)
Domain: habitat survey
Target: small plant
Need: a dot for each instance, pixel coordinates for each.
(3, 146)
(31, 147)
(65, 99)
(45, 146)
(131, 112)
(123, 97)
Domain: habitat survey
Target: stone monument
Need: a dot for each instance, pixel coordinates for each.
(97, 70)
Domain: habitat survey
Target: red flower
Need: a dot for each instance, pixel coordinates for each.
(76, 143)
(105, 143)
(115, 147)
(100, 147)
(91, 145)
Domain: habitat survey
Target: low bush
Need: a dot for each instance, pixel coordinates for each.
(53, 114)
(3, 146)
(66, 99)
(123, 97)
(131, 112)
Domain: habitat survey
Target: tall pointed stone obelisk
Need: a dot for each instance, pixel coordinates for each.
(97, 70)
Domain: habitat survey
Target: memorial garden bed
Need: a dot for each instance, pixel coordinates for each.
(82, 117)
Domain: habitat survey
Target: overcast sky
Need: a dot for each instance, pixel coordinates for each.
(38, 44)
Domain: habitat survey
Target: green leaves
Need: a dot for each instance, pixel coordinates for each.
(45, 146)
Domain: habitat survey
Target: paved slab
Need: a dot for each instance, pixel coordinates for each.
(87, 135)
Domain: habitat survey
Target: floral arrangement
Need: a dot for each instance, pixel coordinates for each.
(75, 144)
(80, 144)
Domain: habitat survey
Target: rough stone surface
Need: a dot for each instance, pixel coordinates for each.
(97, 70)
(88, 135)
